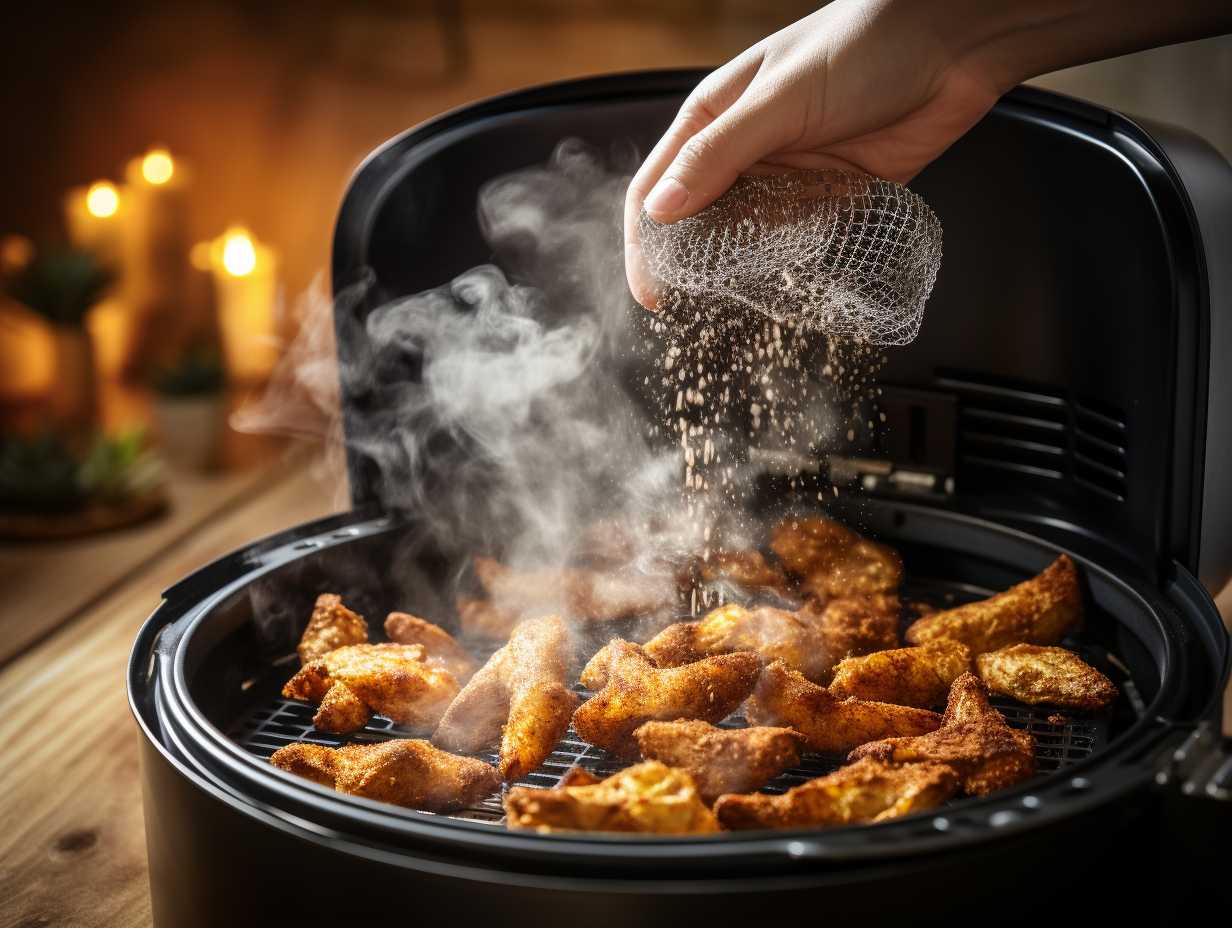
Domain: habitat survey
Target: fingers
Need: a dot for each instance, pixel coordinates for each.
(713, 96)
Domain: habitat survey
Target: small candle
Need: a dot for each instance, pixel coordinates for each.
(246, 287)
(94, 218)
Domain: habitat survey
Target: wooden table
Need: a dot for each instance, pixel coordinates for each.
(72, 846)
(72, 842)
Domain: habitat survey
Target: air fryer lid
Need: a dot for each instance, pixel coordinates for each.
(1061, 374)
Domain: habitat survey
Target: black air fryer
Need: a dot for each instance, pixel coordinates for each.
(1071, 391)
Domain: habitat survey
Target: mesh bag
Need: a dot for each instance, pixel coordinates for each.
(846, 254)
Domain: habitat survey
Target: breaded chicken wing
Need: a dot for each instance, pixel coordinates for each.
(578, 592)
(866, 791)
(973, 739)
(647, 797)
(854, 625)
(519, 696)
(331, 626)
(831, 560)
(784, 697)
(635, 691)
(1038, 611)
(405, 772)
(1035, 674)
(721, 760)
(350, 684)
(747, 568)
(919, 676)
(441, 648)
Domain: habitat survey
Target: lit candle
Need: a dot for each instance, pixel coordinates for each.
(94, 218)
(246, 287)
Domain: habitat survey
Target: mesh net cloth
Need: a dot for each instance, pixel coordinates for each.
(847, 254)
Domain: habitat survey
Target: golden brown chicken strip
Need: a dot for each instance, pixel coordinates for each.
(1035, 674)
(635, 691)
(331, 626)
(647, 797)
(405, 772)
(973, 739)
(866, 791)
(441, 648)
(721, 760)
(831, 560)
(919, 676)
(519, 697)
(350, 684)
(579, 592)
(748, 568)
(775, 634)
(1038, 611)
(854, 625)
(784, 697)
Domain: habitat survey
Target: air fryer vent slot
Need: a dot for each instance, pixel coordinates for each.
(1009, 430)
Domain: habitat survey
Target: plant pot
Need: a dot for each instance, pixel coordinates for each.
(190, 429)
(73, 400)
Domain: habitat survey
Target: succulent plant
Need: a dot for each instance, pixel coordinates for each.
(61, 286)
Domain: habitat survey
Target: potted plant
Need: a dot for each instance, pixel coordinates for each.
(62, 287)
(189, 409)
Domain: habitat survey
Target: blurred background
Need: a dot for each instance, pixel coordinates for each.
(169, 178)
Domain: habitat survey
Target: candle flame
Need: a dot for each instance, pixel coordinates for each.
(102, 199)
(239, 255)
(157, 166)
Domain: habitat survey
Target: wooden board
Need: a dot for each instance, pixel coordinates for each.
(73, 842)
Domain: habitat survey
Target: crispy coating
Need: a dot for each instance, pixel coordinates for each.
(973, 739)
(784, 697)
(647, 797)
(866, 791)
(1035, 674)
(405, 772)
(854, 625)
(331, 626)
(635, 691)
(919, 676)
(519, 696)
(441, 648)
(577, 592)
(831, 560)
(354, 682)
(721, 760)
(747, 568)
(1038, 611)
(482, 618)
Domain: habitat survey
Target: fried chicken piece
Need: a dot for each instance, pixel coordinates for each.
(831, 560)
(635, 691)
(331, 626)
(828, 723)
(721, 760)
(853, 625)
(1034, 674)
(973, 739)
(919, 676)
(578, 592)
(647, 797)
(1038, 611)
(441, 648)
(519, 697)
(748, 568)
(351, 684)
(405, 772)
(866, 791)
(482, 618)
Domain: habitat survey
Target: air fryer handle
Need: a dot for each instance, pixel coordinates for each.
(1200, 767)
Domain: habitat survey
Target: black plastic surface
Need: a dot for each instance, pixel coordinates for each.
(1081, 307)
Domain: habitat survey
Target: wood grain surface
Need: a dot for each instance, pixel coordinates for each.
(72, 841)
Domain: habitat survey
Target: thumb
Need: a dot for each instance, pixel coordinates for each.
(711, 160)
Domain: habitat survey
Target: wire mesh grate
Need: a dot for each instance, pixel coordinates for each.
(1060, 741)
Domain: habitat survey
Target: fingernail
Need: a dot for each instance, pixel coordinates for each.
(667, 196)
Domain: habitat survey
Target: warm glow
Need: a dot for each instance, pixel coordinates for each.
(157, 166)
(102, 199)
(239, 255)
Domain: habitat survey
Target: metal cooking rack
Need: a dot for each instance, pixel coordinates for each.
(1060, 741)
